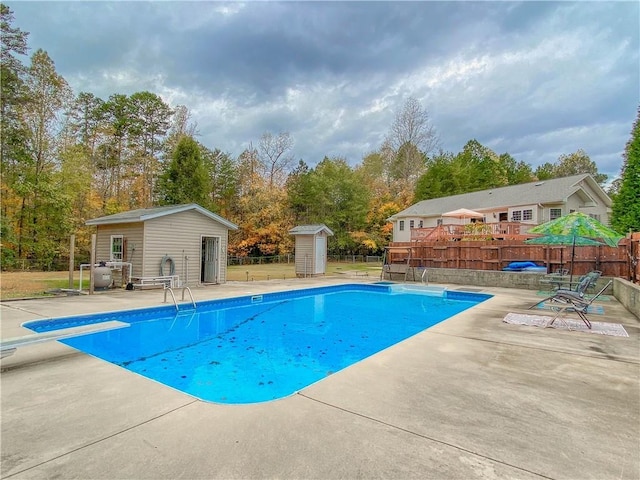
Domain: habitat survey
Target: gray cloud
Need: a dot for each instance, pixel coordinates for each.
(534, 79)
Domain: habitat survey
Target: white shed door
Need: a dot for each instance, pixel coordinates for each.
(321, 250)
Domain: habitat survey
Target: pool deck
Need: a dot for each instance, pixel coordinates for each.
(470, 398)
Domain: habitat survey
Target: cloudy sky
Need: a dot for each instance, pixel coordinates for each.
(534, 79)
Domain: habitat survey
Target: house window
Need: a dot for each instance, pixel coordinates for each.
(420, 224)
(401, 227)
(516, 215)
(555, 213)
(411, 223)
(595, 216)
(117, 248)
(527, 214)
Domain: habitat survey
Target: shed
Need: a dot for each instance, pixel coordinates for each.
(185, 242)
(311, 249)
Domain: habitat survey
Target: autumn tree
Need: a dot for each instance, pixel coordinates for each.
(626, 203)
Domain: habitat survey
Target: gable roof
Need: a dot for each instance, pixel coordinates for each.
(556, 190)
(143, 214)
(310, 229)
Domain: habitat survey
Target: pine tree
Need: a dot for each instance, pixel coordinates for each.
(626, 204)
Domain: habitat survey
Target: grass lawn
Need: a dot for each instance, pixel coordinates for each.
(35, 284)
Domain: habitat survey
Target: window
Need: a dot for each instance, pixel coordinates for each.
(555, 213)
(401, 226)
(420, 224)
(117, 248)
(412, 224)
(516, 215)
(595, 216)
(527, 214)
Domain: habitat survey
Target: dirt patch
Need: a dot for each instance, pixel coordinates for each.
(29, 284)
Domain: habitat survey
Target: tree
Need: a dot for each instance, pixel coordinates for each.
(150, 117)
(576, 163)
(185, 178)
(13, 42)
(223, 178)
(273, 153)
(48, 94)
(570, 164)
(411, 139)
(626, 203)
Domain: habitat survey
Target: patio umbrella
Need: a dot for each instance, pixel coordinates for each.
(574, 229)
(463, 213)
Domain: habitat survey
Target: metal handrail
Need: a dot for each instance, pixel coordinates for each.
(193, 302)
(167, 288)
(172, 296)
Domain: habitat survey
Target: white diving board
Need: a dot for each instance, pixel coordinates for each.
(9, 346)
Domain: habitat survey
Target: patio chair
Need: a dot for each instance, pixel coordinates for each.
(578, 293)
(569, 302)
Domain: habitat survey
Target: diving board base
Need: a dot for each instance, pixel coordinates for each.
(9, 346)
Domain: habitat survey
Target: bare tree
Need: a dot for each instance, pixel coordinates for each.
(274, 156)
(411, 139)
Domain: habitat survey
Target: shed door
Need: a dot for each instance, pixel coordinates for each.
(210, 255)
(321, 251)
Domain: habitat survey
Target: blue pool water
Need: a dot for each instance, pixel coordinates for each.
(260, 348)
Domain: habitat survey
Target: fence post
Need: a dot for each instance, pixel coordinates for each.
(93, 261)
(72, 247)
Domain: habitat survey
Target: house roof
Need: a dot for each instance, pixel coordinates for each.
(143, 214)
(310, 229)
(553, 191)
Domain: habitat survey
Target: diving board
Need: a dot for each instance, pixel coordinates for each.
(9, 346)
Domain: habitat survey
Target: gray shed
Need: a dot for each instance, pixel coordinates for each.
(185, 242)
(311, 249)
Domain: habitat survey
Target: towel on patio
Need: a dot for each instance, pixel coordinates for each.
(602, 328)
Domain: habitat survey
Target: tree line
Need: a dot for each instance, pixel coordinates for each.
(66, 158)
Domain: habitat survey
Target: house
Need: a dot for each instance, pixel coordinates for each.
(507, 209)
(185, 242)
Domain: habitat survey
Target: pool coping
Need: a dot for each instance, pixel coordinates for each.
(70, 415)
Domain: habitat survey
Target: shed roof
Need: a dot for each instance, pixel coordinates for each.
(143, 214)
(555, 190)
(310, 229)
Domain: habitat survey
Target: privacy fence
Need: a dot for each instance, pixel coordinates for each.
(620, 261)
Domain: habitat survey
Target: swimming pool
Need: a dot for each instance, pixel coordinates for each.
(263, 347)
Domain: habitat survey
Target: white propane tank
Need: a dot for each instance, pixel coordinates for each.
(102, 276)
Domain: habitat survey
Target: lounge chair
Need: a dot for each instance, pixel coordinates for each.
(570, 302)
(586, 281)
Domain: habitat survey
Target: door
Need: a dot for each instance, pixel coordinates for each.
(321, 250)
(210, 256)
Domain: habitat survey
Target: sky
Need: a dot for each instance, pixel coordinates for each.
(532, 79)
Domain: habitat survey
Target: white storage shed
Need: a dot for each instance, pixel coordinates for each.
(311, 249)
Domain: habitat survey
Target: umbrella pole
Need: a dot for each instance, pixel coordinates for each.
(573, 254)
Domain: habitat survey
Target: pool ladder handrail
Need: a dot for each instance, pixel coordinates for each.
(173, 297)
(424, 278)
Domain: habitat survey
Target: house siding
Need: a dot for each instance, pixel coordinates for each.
(305, 245)
(180, 237)
(133, 234)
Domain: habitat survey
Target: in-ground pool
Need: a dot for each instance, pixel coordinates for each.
(263, 347)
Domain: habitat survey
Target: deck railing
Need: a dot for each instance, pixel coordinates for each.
(473, 231)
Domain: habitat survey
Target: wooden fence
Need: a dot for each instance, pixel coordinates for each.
(620, 261)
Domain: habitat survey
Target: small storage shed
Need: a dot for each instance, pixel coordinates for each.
(311, 249)
(187, 243)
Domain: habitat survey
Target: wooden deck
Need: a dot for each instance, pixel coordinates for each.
(473, 231)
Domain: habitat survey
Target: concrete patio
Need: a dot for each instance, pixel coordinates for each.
(472, 397)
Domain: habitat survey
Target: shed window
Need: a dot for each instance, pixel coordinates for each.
(401, 225)
(117, 248)
(555, 213)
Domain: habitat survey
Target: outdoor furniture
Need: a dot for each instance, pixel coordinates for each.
(568, 301)
(578, 292)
